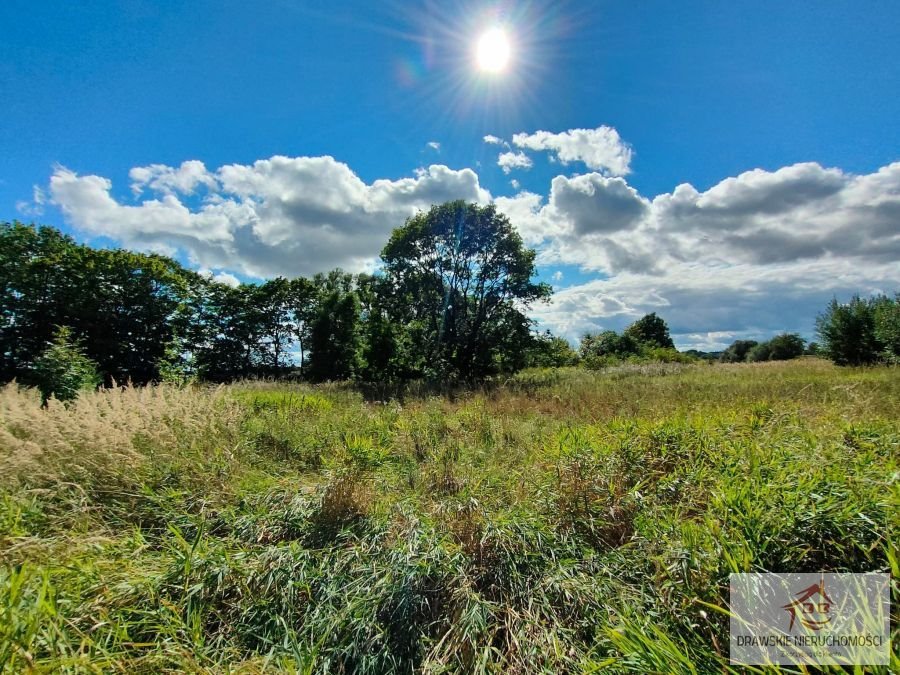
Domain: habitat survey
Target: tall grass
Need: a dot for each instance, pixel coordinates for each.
(565, 521)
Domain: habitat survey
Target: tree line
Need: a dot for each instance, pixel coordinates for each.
(448, 303)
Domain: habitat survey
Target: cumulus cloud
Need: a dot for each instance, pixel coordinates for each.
(600, 149)
(514, 160)
(490, 139)
(707, 307)
(757, 253)
(168, 180)
(434, 145)
(282, 215)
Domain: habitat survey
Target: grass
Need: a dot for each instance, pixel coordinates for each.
(561, 521)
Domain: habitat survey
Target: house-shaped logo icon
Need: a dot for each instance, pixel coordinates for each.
(811, 607)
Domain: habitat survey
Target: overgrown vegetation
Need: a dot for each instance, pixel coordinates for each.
(567, 521)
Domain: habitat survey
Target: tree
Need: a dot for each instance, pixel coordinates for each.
(125, 307)
(273, 302)
(550, 351)
(62, 370)
(652, 331)
(847, 332)
(760, 352)
(887, 326)
(737, 351)
(334, 338)
(609, 344)
(786, 346)
(304, 299)
(458, 281)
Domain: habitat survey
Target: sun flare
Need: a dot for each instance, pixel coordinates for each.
(493, 51)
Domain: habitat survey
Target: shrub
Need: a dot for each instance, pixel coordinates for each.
(550, 351)
(760, 352)
(609, 344)
(737, 351)
(848, 332)
(62, 370)
(786, 346)
(887, 326)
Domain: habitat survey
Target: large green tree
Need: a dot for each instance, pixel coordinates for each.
(459, 280)
(335, 339)
(125, 308)
(651, 331)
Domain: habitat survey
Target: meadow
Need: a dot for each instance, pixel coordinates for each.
(559, 520)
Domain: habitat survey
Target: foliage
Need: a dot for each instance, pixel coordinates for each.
(650, 330)
(760, 352)
(737, 351)
(569, 521)
(62, 370)
(449, 306)
(608, 344)
(786, 346)
(782, 347)
(550, 351)
(862, 331)
(459, 278)
(334, 338)
(886, 313)
(125, 307)
(645, 340)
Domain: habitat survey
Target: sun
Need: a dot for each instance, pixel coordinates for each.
(493, 50)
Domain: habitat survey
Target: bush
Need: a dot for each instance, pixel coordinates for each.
(861, 332)
(550, 351)
(62, 370)
(737, 351)
(608, 344)
(887, 327)
(786, 346)
(760, 352)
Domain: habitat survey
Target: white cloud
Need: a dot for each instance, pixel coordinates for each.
(493, 140)
(227, 279)
(434, 145)
(557, 275)
(283, 215)
(515, 184)
(514, 160)
(600, 149)
(168, 180)
(721, 302)
(760, 252)
(35, 207)
(755, 254)
(221, 277)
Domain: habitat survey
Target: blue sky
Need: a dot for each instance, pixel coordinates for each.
(255, 139)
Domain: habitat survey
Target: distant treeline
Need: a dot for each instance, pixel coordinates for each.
(448, 304)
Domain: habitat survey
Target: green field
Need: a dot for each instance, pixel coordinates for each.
(560, 521)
